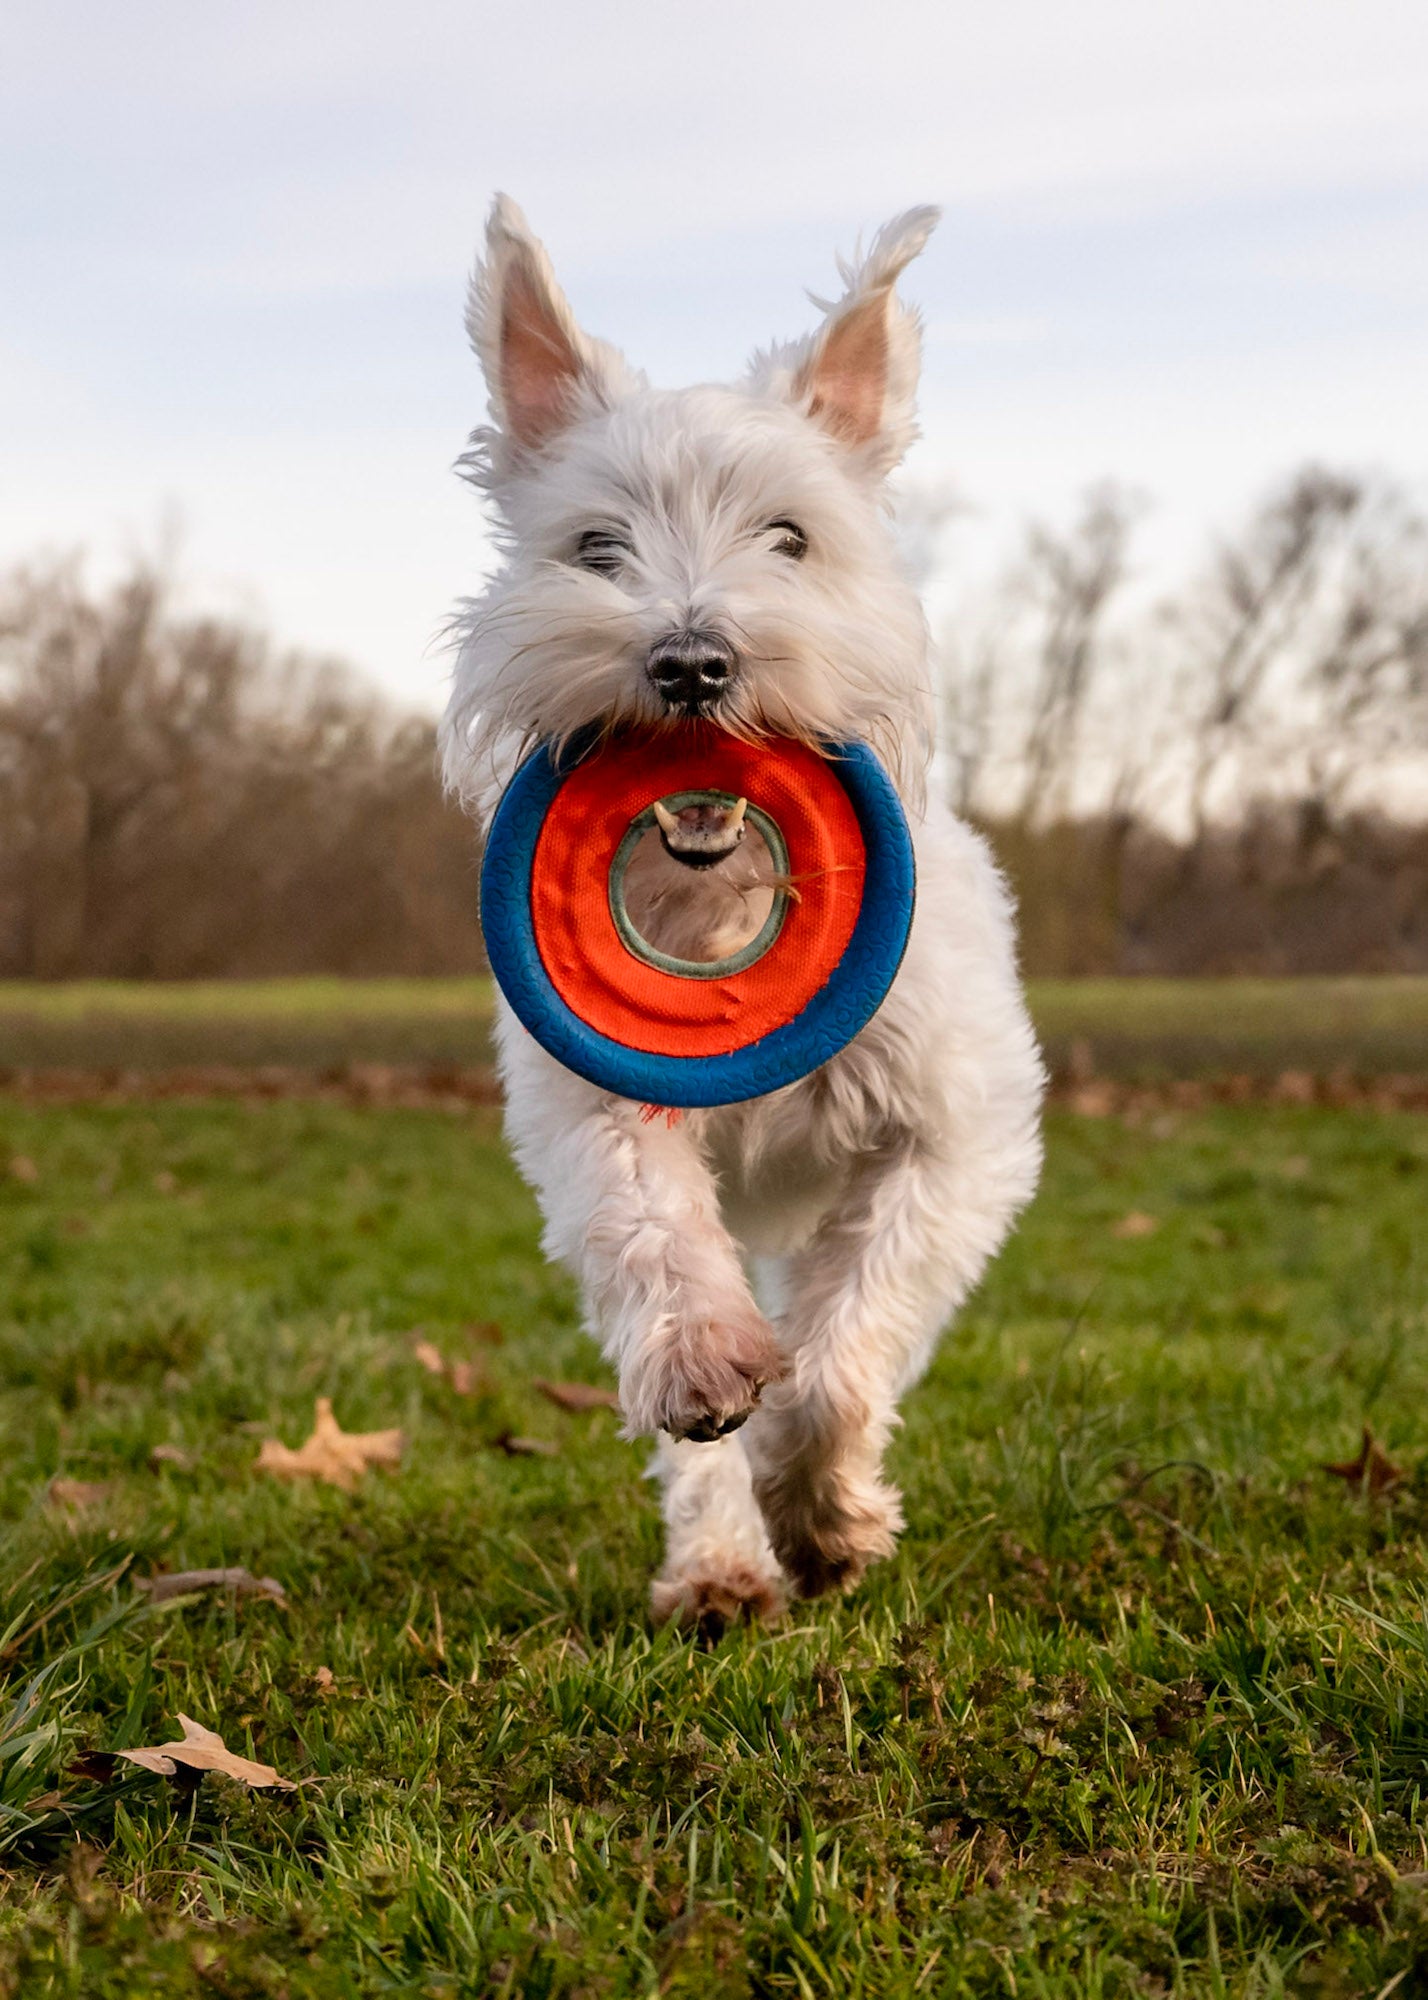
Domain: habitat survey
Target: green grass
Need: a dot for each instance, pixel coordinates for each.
(1129, 1027)
(308, 1023)
(1183, 1027)
(1141, 1706)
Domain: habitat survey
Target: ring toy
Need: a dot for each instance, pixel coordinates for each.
(679, 1033)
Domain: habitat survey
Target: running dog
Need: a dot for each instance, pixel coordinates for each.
(767, 1278)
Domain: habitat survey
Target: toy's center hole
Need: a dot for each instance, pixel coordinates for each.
(698, 886)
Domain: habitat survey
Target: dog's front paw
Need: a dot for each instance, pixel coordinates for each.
(828, 1535)
(715, 1597)
(703, 1382)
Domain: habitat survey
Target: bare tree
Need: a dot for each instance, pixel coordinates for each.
(971, 692)
(1020, 675)
(1242, 623)
(1203, 776)
(1364, 668)
(178, 799)
(1073, 580)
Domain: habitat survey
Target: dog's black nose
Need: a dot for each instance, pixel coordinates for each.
(691, 670)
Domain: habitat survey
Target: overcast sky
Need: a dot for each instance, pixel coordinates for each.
(1184, 244)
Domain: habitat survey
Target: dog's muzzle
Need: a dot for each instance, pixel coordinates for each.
(691, 671)
(702, 833)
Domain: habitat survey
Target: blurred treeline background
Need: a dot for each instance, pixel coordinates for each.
(179, 799)
(1229, 779)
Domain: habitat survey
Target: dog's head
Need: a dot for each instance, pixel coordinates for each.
(715, 552)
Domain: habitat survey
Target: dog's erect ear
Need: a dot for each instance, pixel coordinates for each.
(857, 376)
(540, 368)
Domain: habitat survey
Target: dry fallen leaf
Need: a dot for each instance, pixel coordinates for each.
(1137, 1223)
(1373, 1469)
(77, 1494)
(179, 1582)
(23, 1169)
(326, 1680)
(464, 1377)
(576, 1396)
(171, 1454)
(519, 1447)
(332, 1454)
(203, 1750)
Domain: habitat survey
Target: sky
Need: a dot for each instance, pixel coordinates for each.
(1184, 246)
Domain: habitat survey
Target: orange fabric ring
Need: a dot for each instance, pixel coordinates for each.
(662, 1013)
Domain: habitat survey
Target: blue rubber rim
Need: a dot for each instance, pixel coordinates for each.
(854, 991)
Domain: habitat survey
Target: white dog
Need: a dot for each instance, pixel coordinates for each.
(727, 553)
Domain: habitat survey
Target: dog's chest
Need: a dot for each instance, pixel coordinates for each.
(772, 1195)
(704, 915)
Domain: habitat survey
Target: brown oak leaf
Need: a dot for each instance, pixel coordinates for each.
(203, 1750)
(339, 1457)
(1372, 1470)
(576, 1396)
(523, 1447)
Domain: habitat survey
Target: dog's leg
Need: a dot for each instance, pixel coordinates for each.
(866, 1300)
(718, 1564)
(631, 1206)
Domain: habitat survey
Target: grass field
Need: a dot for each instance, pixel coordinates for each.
(1140, 1708)
(1145, 1028)
(96, 1024)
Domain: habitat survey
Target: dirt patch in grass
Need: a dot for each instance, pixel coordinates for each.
(447, 1086)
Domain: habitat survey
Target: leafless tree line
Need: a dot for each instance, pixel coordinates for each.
(1234, 778)
(177, 800)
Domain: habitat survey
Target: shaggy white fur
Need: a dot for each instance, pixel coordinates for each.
(870, 1195)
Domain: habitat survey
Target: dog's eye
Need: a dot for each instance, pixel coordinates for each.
(789, 540)
(601, 551)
